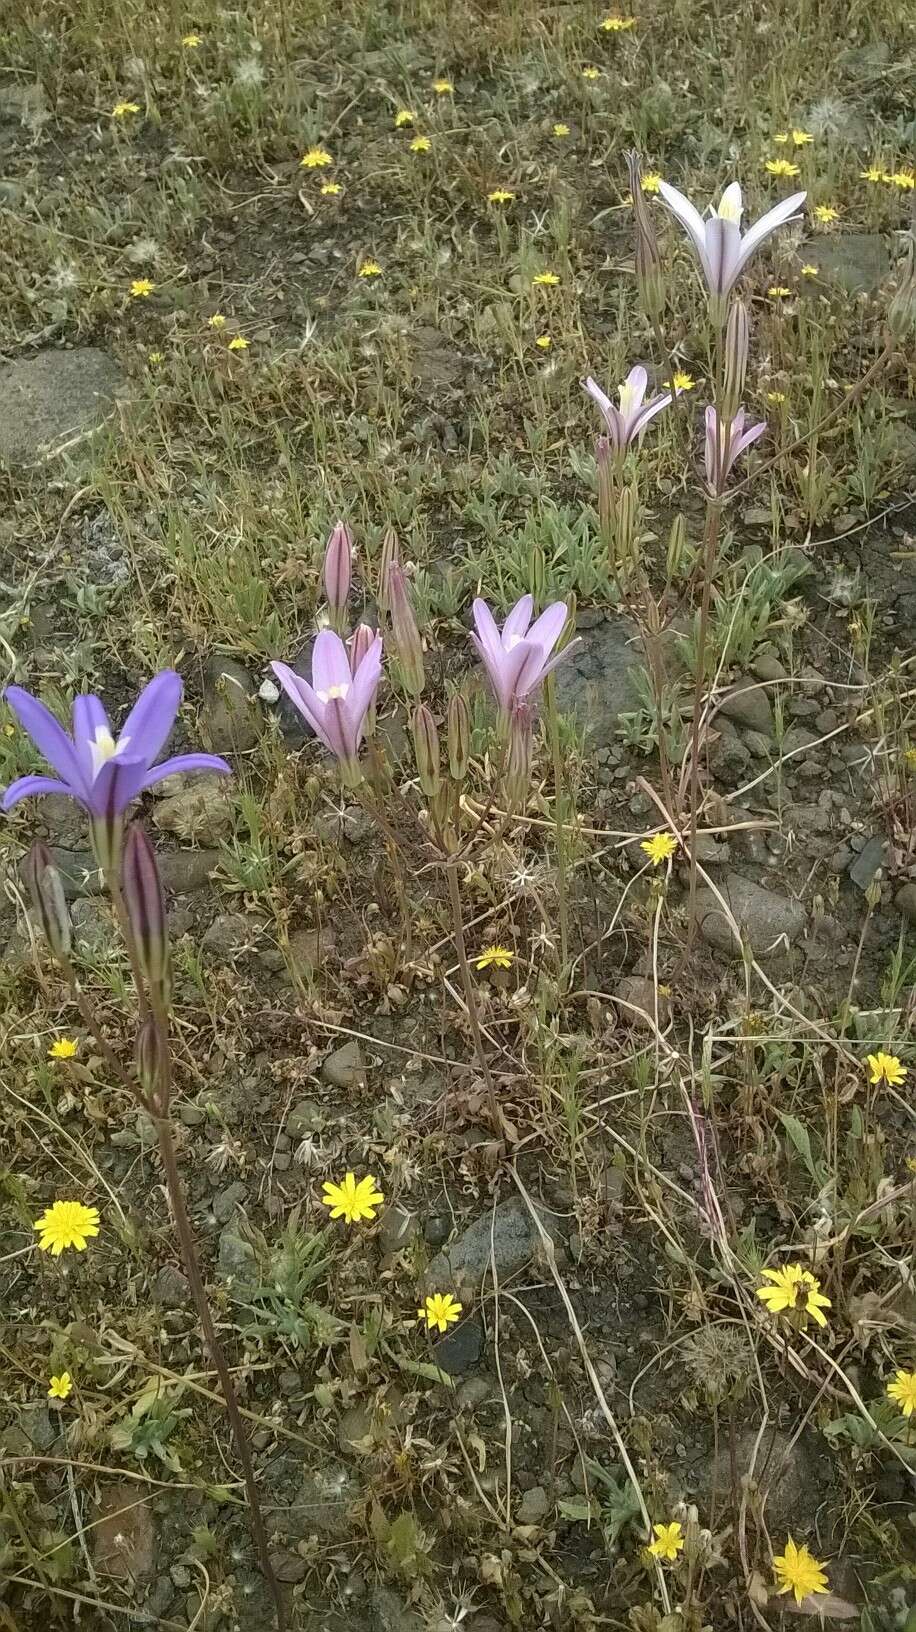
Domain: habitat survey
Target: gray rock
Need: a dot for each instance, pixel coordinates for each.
(594, 685)
(871, 858)
(858, 261)
(728, 757)
(767, 666)
(236, 1258)
(354, 1427)
(345, 1068)
(905, 902)
(507, 1236)
(230, 720)
(200, 811)
(305, 1117)
(123, 1533)
(767, 919)
(391, 1614)
(353, 824)
(93, 929)
(474, 1391)
(171, 1288)
(748, 705)
(185, 870)
(636, 997)
(757, 744)
(53, 397)
(289, 1567)
(228, 934)
(322, 1504)
(79, 871)
(228, 1200)
(398, 1226)
(786, 1472)
(461, 1348)
(534, 1506)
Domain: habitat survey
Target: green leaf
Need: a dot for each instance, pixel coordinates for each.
(577, 1509)
(423, 1368)
(801, 1139)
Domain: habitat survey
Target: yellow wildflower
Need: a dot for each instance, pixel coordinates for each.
(781, 138)
(63, 1049)
(651, 182)
(794, 1288)
(60, 1386)
(66, 1224)
(618, 25)
(440, 1311)
(909, 758)
(659, 847)
(801, 138)
(317, 158)
(798, 1572)
(903, 1391)
(886, 1068)
(403, 117)
(330, 189)
(669, 1541)
(776, 397)
(192, 41)
(546, 280)
(825, 213)
(368, 269)
(904, 179)
(216, 321)
(591, 73)
(543, 342)
(500, 195)
(681, 381)
(443, 87)
(809, 270)
(141, 288)
(561, 130)
(420, 144)
(122, 110)
(351, 1201)
(154, 357)
(873, 174)
(778, 291)
(238, 343)
(495, 957)
(780, 167)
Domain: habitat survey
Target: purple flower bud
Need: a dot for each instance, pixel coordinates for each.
(46, 892)
(649, 278)
(458, 733)
(151, 1057)
(426, 749)
(390, 556)
(338, 563)
(405, 631)
(736, 350)
(144, 899)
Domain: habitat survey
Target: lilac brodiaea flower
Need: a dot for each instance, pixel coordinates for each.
(629, 420)
(721, 250)
(339, 698)
(517, 658)
(723, 446)
(101, 772)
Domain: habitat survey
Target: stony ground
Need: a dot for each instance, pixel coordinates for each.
(167, 498)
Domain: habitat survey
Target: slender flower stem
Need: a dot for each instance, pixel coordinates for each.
(470, 996)
(709, 562)
(559, 810)
(199, 1293)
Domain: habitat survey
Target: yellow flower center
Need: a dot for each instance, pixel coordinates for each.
(103, 748)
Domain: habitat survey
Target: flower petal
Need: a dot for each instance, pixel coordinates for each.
(776, 217)
(330, 663)
(25, 786)
(516, 624)
(723, 249)
(49, 737)
(150, 721)
(690, 219)
(185, 762)
(119, 781)
(89, 717)
(547, 629)
(487, 633)
(303, 698)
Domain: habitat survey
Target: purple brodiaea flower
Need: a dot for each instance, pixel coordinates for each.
(517, 658)
(101, 772)
(339, 698)
(721, 250)
(723, 446)
(629, 420)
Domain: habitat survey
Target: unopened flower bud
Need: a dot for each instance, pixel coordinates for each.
(46, 892)
(426, 749)
(677, 543)
(649, 279)
(151, 1057)
(458, 735)
(537, 574)
(144, 900)
(736, 349)
(338, 563)
(605, 488)
(901, 312)
(357, 646)
(405, 631)
(390, 556)
(626, 549)
(518, 764)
